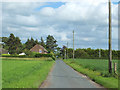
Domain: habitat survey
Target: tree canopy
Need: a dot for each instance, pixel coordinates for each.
(51, 43)
(42, 43)
(14, 44)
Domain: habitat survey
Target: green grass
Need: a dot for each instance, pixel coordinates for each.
(96, 69)
(24, 73)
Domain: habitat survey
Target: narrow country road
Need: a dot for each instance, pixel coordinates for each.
(63, 76)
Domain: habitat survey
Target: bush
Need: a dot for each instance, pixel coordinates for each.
(45, 55)
(53, 57)
(32, 55)
(80, 53)
(13, 55)
(5, 54)
(27, 52)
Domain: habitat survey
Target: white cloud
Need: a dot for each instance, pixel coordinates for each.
(48, 11)
(89, 19)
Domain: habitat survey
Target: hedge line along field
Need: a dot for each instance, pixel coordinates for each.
(96, 69)
(24, 73)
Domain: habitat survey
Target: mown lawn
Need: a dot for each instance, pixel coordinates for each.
(96, 69)
(24, 73)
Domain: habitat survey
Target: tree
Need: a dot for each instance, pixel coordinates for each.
(42, 43)
(36, 42)
(30, 43)
(70, 53)
(5, 40)
(51, 43)
(79, 53)
(63, 51)
(11, 44)
(18, 45)
(27, 44)
(58, 52)
(14, 44)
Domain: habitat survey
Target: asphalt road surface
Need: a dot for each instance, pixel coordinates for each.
(63, 76)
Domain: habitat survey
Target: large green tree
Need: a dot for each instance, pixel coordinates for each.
(14, 44)
(30, 43)
(42, 43)
(5, 40)
(51, 43)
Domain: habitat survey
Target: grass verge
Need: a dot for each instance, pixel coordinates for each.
(24, 73)
(107, 82)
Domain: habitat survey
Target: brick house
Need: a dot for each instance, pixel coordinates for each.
(39, 48)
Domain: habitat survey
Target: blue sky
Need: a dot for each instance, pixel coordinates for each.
(40, 19)
(115, 2)
(51, 4)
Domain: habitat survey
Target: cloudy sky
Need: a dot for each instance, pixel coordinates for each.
(88, 18)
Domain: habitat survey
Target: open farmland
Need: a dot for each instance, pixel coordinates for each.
(96, 69)
(24, 73)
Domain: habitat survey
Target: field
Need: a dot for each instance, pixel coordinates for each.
(24, 72)
(96, 69)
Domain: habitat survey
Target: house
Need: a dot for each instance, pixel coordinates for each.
(3, 51)
(39, 48)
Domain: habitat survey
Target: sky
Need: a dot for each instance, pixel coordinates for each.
(88, 18)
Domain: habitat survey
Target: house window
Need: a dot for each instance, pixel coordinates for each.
(40, 51)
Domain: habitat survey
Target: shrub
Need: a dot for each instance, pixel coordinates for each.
(27, 52)
(45, 55)
(12, 55)
(32, 55)
(5, 54)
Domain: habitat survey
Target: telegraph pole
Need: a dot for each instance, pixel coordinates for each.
(67, 50)
(110, 41)
(73, 44)
(99, 53)
(65, 53)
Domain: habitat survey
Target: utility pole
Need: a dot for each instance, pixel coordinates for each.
(73, 44)
(67, 50)
(99, 53)
(110, 41)
(65, 53)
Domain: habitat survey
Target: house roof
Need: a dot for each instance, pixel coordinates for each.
(37, 47)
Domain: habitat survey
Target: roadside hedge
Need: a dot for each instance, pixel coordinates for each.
(45, 55)
(29, 56)
(13, 55)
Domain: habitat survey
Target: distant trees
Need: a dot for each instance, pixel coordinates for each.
(63, 51)
(91, 53)
(58, 52)
(70, 53)
(14, 46)
(79, 53)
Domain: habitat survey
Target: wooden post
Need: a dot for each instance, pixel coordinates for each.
(115, 68)
(73, 44)
(67, 50)
(110, 41)
(65, 53)
(99, 53)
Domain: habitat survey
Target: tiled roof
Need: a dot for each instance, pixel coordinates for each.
(37, 47)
